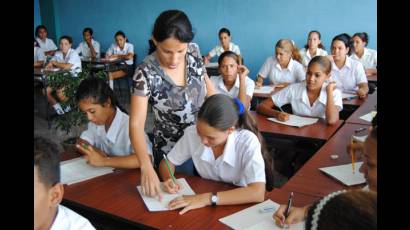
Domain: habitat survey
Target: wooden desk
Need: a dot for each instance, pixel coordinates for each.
(319, 130)
(372, 78)
(310, 180)
(368, 106)
(105, 63)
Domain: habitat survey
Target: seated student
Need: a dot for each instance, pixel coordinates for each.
(89, 48)
(224, 145)
(314, 47)
(48, 192)
(348, 73)
(121, 49)
(234, 80)
(45, 43)
(314, 97)
(366, 56)
(65, 58)
(226, 45)
(282, 69)
(39, 56)
(106, 142)
(369, 168)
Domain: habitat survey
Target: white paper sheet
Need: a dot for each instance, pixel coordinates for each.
(212, 65)
(153, 204)
(369, 117)
(265, 89)
(359, 138)
(295, 120)
(77, 170)
(252, 218)
(344, 173)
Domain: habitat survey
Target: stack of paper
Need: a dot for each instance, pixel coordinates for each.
(295, 120)
(369, 117)
(77, 170)
(153, 204)
(266, 89)
(253, 218)
(344, 173)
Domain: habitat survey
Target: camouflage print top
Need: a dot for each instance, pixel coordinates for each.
(175, 107)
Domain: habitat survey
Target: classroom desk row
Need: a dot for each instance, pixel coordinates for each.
(115, 194)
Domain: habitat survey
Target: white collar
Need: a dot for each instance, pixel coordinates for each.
(229, 155)
(114, 127)
(221, 83)
(222, 48)
(348, 64)
(304, 95)
(289, 67)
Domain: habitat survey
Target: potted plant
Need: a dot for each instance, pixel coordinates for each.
(75, 118)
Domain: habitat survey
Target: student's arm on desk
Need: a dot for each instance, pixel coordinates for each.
(363, 89)
(38, 63)
(59, 65)
(266, 108)
(138, 113)
(254, 192)
(296, 215)
(169, 185)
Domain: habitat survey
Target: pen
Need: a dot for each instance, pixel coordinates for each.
(169, 169)
(359, 130)
(289, 204)
(352, 157)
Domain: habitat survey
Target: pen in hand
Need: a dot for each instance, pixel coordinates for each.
(169, 170)
(288, 207)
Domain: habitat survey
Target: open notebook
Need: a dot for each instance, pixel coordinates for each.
(295, 120)
(77, 170)
(266, 89)
(153, 204)
(253, 218)
(344, 173)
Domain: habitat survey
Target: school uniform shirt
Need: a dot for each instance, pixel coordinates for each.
(241, 162)
(47, 45)
(67, 219)
(293, 73)
(296, 95)
(349, 76)
(39, 54)
(175, 107)
(115, 49)
(234, 91)
(368, 59)
(218, 50)
(115, 142)
(84, 50)
(304, 53)
(71, 57)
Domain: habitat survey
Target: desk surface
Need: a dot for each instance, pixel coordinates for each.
(319, 130)
(102, 60)
(372, 78)
(310, 180)
(369, 105)
(39, 71)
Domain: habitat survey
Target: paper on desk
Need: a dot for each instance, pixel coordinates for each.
(295, 120)
(211, 64)
(153, 204)
(348, 95)
(369, 117)
(252, 218)
(344, 173)
(50, 69)
(359, 138)
(77, 170)
(264, 89)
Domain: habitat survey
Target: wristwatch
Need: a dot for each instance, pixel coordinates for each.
(214, 199)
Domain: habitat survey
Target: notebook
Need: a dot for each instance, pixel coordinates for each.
(253, 218)
(344, 173)
(369, 117)
(77, 170)
(295, 120)
(154, 205)
(266, 89)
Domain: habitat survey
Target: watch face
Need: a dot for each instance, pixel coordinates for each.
(214, 198)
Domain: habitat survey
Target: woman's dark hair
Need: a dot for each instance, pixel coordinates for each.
(66, 37)
(346, 39)
(224, 30)
(96, 90)
(228, 54)
(221, 112)
(89, 30)
(47, 159)
(152, 47)
(363, 36)
(319, 35)
(373, 133)
(355, 209)
(173, 23)
(322, 61)
(38, 28)
(120, 33)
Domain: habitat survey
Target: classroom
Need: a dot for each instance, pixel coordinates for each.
(218, 114)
